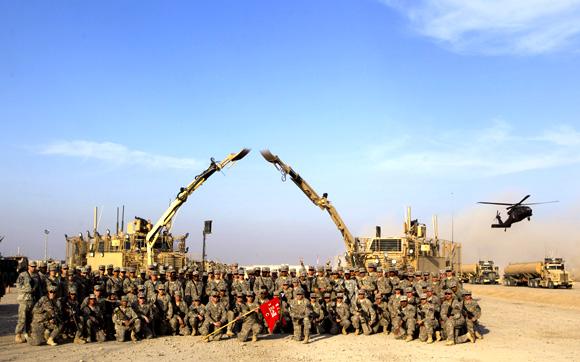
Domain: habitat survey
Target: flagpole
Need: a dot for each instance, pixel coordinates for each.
(232, 322)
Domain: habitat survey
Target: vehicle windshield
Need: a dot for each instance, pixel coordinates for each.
(555, 267)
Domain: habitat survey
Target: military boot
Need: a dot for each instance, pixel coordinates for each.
(478, 335)
(19, 338)
(471, 337)
(46, 334)
(356, 332)
(437, 336)
(430, 340)
(385, 330)
(449, 343)
(409, 338)
(133, 336)
(229, 332)
(51, 342)
(344, 331)
(254, 338)
(193, 331)
(306, 339)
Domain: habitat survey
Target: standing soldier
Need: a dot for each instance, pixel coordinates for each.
(351, 286)
(363, 314)
(426, 319)
(473, 313)
(282, 277)
(115, 283)
(29, 292)
(337, 283)
(195, 315)
(193, 288)
(264, 281)
(46, 319)
(300, 312)
(215, 317)
(250, 322)
(173, 284)
(151, 286)
(321, 284)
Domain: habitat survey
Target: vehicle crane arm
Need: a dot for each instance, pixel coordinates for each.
(352, 252)
(166, 220)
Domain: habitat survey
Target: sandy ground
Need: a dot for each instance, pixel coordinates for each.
(521, 324)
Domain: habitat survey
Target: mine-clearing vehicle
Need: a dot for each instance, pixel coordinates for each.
(143, 243)
(412, 251)
(550, 273)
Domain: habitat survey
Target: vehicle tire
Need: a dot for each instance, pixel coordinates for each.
(550, 285)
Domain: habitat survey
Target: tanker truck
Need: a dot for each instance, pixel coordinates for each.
(484, 272)
(547, 274)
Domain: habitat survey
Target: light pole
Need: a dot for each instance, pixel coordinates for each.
(206, 231)
(46, 232)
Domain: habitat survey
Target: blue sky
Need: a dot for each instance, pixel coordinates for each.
(382, 104)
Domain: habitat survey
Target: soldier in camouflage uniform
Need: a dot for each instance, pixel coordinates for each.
(264, 281)
(115, 283)
(363, 314)
(472, 312)
(195, 315)
(164, 307)
(405, 322)
(426, 319)
(126, 320)
(72, 317)
(145, 314)
(151, 286)
(339, 315)
(193, 288)
(249, 322)
(94, 318)
(383, 313)
(351, 286)
(300, 311)
(46, 319)
(173, 284)
(215, 317)
(452, 318)
(178, 321)
(29, 292)
(317, 316)
(233, 313)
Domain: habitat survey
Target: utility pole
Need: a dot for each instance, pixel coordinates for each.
(206, 231)
(46, 232)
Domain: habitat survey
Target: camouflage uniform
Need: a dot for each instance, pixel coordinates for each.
(339, 315)
(29, 291)
(473, 313)
(249, 322)
(405, 322)
(178, 321)
(126, 320)
(46, 320)
(300, 311)
(94, 321)
(146, 315)
(317, 316)
(383, 313)
(363, 314)
(193, 289)
(452, 318)
(214, 313)
(426, 320)
(195, 315)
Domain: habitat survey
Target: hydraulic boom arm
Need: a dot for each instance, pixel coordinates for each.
(166, 220)
(352, 252)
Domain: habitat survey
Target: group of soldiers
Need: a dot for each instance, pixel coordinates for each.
(58, 303)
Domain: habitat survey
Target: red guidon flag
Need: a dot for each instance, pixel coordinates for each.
(271, 312)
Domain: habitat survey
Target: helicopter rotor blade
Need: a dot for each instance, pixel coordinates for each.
(495, 203)
(539, 203)
(524, 199)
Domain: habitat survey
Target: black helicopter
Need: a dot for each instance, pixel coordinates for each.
(516, 212)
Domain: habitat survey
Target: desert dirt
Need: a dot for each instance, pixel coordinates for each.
(520, 324)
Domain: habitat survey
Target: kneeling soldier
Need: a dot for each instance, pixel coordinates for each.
(46, 319)
(300, 312)
(250, 322)
(126, 320)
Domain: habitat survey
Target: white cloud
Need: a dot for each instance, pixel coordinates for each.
(117, 154)
(523, 27)
(495, 150)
